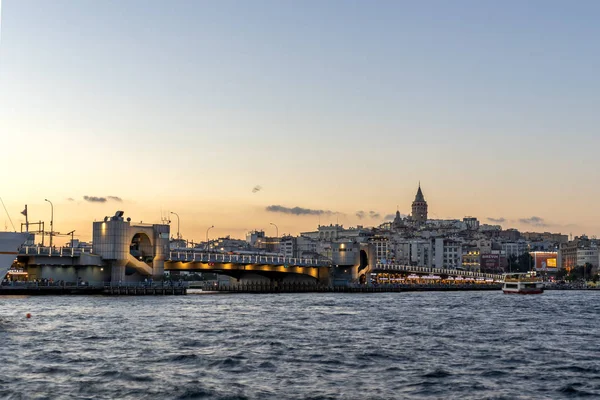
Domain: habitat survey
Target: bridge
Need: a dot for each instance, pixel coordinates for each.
(234, 265)
(123, 251)
(396, 268)
(83, 261)
(247, 266)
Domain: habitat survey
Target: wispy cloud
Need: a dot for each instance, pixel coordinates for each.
(297, 210)
(389, 217)
(256, 189)
(497, 220)
(97, 199)
(370, 214)
(533, 221)
(70, 199)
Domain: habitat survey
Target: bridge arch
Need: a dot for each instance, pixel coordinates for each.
(364, 260)
(141, 247)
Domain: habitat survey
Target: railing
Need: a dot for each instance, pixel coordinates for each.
(524, 280)
(192, 256)
(185, 256)
(437, 271)
(93, 284)
(54, 251)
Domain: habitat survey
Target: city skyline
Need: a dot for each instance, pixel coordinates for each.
(223, 111)
(363, 218)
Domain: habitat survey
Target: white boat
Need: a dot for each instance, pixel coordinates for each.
(10, 242)
(522, 283)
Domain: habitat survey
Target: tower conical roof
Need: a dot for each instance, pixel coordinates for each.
(419, 196)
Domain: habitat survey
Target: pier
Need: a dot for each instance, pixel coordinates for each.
(100, 288)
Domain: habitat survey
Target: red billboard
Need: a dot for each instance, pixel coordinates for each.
(490, 262)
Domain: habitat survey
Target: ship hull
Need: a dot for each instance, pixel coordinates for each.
(10, 242)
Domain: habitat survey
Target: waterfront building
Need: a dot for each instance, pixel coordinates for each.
(471, 223)
(255, 238)
(298, 246)
(511, 235)
(228, 244)
(545, 261)
(383, 251)
(578, 252)
(557, 238)
(334, 232)
(471, 258)
(514, 249)
(447, 253)
(490, 230)
(288, 246)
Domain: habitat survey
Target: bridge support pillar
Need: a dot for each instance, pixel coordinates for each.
(324, 276)
(117, 271)
(158, 268)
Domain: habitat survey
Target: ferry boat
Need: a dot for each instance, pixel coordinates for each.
(10, 242)
(522, 283)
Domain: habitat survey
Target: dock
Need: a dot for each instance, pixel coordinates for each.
(34, 289)
(352, 288)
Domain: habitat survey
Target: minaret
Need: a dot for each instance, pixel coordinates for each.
(419, 207)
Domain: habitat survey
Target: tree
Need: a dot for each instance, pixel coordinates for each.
(522, 263)
(562, 273)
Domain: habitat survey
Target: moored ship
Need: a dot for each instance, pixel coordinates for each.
(522, 283)
(10, 242)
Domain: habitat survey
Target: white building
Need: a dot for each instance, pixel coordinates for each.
(335, 232)
(447, 253)
(515, 249)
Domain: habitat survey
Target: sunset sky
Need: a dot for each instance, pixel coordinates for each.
(217, 110)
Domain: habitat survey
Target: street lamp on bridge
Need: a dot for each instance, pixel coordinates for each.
(276, 236)
(276, 229)
(72, 233)
(177, 215)
(51, 221)
(207, 247)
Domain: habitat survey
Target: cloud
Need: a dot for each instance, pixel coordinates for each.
(94, 199)
(256, 189)
(533, 221)
(70, 199)
(371, 214)
(389, 217)
(374, 214)
(497, 220)
(297, 210)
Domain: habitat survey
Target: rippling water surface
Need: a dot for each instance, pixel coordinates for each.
(301, 346)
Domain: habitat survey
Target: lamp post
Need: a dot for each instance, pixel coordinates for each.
(177, 215)
(51, 221)
(72, 237)
(207, 247)
(276, 229)
(276, 235)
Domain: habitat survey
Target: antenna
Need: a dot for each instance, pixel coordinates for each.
(7, 214)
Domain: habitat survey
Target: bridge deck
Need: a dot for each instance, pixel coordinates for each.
(436, 271)
(186, 256)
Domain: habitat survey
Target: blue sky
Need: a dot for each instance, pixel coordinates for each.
(339, 105)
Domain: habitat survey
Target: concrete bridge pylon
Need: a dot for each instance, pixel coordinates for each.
(131, 248)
